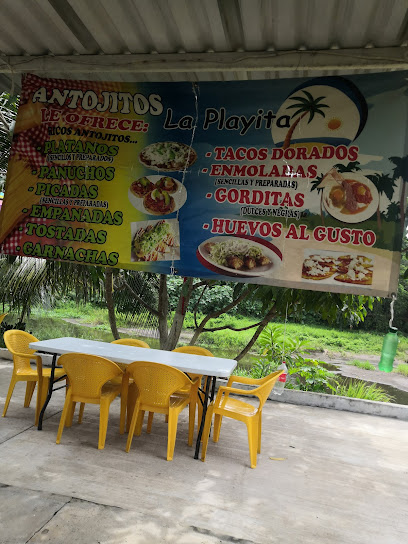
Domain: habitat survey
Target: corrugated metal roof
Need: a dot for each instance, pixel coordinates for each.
(97, 27)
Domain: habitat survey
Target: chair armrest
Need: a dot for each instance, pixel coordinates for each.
(38, 361)
(224, 391)
(25, 355)
(251, 381)
(240, 379)
(237, 390)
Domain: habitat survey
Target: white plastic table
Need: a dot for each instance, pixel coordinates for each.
(212, 367)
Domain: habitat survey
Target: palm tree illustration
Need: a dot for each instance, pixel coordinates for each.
(304, 106)
(393, 211)
(385, 186)
(401, 171)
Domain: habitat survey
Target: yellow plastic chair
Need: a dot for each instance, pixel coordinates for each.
(88, 376)
(153, 390)
(17, 343)
(224, 406)
(130, 342)
(123, 366)
(118, 379)
(2, 316)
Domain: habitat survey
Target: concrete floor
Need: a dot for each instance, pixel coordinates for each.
(343, 479)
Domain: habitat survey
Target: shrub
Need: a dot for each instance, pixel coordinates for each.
(304, 374)
(358, 389)
(309, 375)
(362, 364)
(8, 327)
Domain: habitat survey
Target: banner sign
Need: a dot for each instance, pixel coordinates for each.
(296, 183)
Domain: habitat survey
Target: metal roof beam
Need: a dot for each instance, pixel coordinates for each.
(389, 58)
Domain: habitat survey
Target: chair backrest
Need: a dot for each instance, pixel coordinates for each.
(194, 350)
(17, 342)
(2, 316)
(131, 342)
(156, 382)
(88, 373)
(266, 386)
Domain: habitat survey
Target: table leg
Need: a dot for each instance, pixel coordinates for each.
(205, 406)
(47, 400)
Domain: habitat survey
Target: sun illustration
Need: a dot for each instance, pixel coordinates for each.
(334, 123)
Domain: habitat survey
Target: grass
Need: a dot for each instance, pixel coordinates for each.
(358, 389)
(362, 364)
(402, 368)
(225, 342)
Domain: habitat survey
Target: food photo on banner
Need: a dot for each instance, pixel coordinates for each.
(296, 183)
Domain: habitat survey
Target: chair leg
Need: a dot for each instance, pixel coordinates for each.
(217, 427)
(132, 427)
(139, 423)
(81, 412)
(130, 404)
(70, 416)
(122, 421)
(206, 431)
(67, 406)
(29, 393)
(259, 431)
(103, 422)
(9, 393)
(252, 440)
(191, 421)
(150, 422)
(171, 433)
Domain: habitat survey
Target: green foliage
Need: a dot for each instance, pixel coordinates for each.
(26, 283)
(8, 109)
(377, 319)
(305, 374)
(242, 371)
(213, 297)
(19, 325)
(362, 364)
(402, 368)
(309, 375)
(358, 389)
(275, 346)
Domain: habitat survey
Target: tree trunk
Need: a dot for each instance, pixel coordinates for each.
(23, 311)
(163, 307)
(178, 320)
(378, 218)
(109, 302)
(403, 205)
(258, 331)
(291, 130)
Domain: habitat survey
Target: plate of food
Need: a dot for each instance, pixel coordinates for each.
(350, 197)
(239, 256)
(157, 195)
(343, 268)
(168, 156)
(155, 241)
